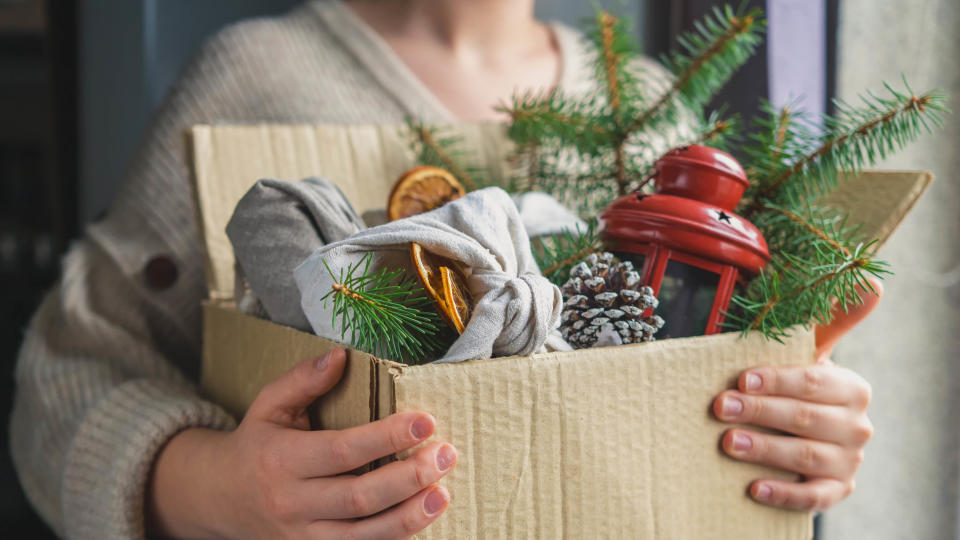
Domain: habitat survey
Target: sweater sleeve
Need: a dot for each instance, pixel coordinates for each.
(105, 373)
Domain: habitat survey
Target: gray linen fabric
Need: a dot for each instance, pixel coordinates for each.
(275, 227)
(516, 310)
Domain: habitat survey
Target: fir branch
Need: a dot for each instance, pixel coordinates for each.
(858, 137)
(385, 313)
(556, 255)
(718, 47)
(433, 152)
(809, 227)
(611, 57)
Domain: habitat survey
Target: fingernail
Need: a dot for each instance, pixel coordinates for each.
(742, 442)
(446, 457)
(753, 382)
(421, 428)
(324, 361)
(435, 501)
(764, 492)
(732, 406)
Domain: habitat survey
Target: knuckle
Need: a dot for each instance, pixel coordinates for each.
(849, 488)
(410, 523)
(417, 475)
(857, 459)
(358, 502)
(397, 439)
(812, 380)
(809, 458)
(804, 417)
(863, 431)
(864, 394)
(341, 453)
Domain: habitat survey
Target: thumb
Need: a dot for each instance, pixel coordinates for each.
(843, 321)
(290, 394)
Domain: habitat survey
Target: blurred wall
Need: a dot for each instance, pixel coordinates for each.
(132, 50)
(910, 348)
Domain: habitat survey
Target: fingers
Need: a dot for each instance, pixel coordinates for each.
(804, 456)
(327, 453)
(822, 422)
(811, 496)
(402, 521)
(365, 495)
(285, 398)
(844, 321)
(819, 383)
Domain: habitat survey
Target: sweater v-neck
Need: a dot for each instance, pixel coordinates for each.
(398, 80)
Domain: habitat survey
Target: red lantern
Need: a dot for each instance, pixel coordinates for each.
(685, 239)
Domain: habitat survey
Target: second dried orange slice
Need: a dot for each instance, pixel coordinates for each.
(422, 189)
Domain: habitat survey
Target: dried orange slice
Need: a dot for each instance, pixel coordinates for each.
(456, 298)
(444, 282)
(420, 190)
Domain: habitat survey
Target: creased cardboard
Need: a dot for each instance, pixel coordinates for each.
(616, 442)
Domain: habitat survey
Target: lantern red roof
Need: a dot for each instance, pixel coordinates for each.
(697, 189)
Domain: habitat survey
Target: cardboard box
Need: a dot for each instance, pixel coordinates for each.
(616, 442)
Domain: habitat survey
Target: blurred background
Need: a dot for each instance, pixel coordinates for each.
(80, 79)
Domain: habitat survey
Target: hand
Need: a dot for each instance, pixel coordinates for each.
(273, 478)
(822, 404)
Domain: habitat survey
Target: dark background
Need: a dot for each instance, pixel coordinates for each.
(79, 81)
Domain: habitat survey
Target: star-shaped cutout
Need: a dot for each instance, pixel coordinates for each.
(723, 216)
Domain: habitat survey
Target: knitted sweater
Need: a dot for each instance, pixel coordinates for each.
(107, 371)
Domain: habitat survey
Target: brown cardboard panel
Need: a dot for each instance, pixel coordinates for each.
(879, 199)
(242, 353)
(612, 443)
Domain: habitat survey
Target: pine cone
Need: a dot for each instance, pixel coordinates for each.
(603, 301)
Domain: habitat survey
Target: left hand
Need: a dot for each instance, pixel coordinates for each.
(823, 404)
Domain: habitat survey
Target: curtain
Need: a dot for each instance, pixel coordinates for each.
(910, 348)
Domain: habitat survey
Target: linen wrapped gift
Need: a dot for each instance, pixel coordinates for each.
(516, 309)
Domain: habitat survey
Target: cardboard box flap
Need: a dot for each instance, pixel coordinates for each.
(880, 200)
(364, 161)
(546, 441)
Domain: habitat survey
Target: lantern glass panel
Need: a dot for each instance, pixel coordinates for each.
(686, 298)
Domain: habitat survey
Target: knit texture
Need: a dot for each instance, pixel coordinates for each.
(107, 371)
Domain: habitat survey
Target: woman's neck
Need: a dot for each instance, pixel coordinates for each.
(471, 54)
(487, 27)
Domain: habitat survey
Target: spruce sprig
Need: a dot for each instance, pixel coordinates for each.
(605, 143)
(707, 58)
(385, 313)
(856, 138)
(557, 254)
(442, 148)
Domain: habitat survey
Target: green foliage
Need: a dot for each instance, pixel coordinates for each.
(808, 167)
(442, 148)
(386, 313)
(816, 257)
(587, 150)
(557, 254)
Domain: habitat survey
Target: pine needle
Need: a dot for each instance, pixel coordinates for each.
(386, 313)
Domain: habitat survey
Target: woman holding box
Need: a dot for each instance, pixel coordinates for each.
(110, 437)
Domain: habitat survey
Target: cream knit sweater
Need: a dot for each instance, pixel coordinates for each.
(107, 371)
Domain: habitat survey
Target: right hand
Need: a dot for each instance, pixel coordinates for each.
(273, 478)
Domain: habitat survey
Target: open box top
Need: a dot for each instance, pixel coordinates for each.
(613, 442)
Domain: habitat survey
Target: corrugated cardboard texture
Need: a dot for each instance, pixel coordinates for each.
(241, 354)
(600, 443)
(615, 442)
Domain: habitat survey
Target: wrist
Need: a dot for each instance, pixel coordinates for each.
(185, 495)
